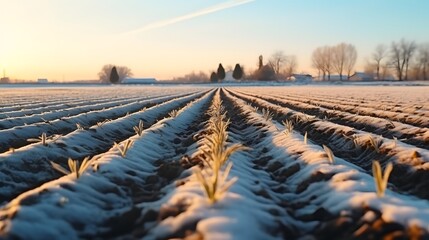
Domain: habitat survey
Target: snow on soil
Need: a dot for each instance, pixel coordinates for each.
(282, 182)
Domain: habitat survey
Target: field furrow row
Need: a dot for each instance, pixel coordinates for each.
(29, 167)
(358, 147)
(17, 137)
(108, 199)
(412, 134)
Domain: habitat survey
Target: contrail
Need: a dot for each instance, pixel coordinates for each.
(202, 12)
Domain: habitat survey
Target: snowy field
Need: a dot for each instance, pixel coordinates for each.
(305, 169)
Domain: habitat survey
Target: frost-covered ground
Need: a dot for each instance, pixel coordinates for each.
(287, 186)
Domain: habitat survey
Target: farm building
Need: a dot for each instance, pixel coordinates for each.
(361, 76)
(301, 78)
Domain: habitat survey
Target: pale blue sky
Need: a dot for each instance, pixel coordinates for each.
(167, 38)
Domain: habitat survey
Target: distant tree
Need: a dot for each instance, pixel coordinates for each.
(317, 59)
(401, 54)
(114, 77)
(213, 78)
(193, 78)
(277, 61)
(377, 57)
(290, 66)
(104, 74)
(220, 73)
(423, 61)
(238, 72)
(327, 53)
(344, 58)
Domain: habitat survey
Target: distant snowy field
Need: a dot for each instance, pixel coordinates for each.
(288, 186)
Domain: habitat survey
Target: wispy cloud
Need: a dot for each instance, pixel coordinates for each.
(199, 13)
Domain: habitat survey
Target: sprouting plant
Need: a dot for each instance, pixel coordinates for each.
(43, 138)
(74, 166)
(375, 143)
(216, 154)
(329, 153)
(125, 147)
(256, 109)
(268, 116)
(381, 179)
(288, 127)
(305, 137)
(217, 184)
(173, 113)
(100, 124)
(139, 128)
(45, 121)
(79, 126)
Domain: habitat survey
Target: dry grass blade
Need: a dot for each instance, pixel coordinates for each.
(268, 116)
(125, 147)
(79, 127)
(42, 139)
(375, 143)
(305, 138)
(288, 127)
(381, 179)
(139, 128)
(173, 113)
(74, 166)
(59, 168)
(329, 153)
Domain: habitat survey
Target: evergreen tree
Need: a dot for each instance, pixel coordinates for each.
(114, 76)
(238, 72)
(220, 73)
(213, 77)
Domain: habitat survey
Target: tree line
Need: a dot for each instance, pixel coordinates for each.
(407, 60)
(403, 60)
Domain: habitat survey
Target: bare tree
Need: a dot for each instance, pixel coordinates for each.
(105, 72)
(401, 54)
(290, 66)
(327, 53)
(423, 60)
(277, 61)
(317, 59)
(344, 58)
(351, 54)
(378, 55)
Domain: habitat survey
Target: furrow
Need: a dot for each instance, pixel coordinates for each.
(17, 137)
(357, 147)
(60, 105)
(29, 167)
(65, 112)
(317, 194)
(417, 136)
(107, 202)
